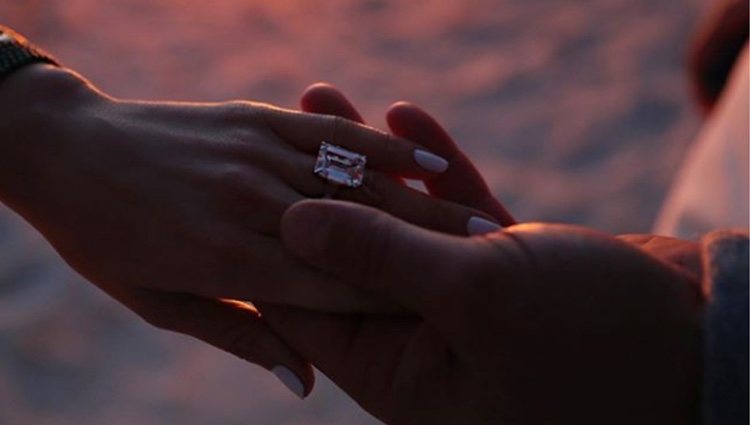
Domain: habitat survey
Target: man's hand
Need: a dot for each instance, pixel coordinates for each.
(682, 254)
(536, 324)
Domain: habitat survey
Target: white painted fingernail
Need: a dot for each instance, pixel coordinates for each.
(429, 161)
(481, 226)
(290, 380)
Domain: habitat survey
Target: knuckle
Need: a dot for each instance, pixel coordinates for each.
(237, 179)
(236, 112)
(336, 125)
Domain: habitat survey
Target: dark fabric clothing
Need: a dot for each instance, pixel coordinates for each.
(726, 258)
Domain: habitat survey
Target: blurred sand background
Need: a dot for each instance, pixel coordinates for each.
(576, 111)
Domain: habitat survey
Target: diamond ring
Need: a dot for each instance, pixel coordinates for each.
(340, 166)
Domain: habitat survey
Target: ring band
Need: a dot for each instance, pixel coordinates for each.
(340, 166)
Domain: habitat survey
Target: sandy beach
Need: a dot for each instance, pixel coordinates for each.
(575, 111)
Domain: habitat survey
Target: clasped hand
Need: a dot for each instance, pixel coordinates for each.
(535, 324)
(180, 211)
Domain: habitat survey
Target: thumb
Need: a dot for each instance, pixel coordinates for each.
(379, 253)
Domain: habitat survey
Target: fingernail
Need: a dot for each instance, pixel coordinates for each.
(481, 226)
(290, 380)
(429, 161)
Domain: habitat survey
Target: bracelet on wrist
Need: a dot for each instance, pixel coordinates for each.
(17, 52)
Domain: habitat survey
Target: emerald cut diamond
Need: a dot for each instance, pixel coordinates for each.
(340, 166)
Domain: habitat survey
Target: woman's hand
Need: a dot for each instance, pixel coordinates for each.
(535, 324)
(174, 208)
(460, 183)
(180, 195)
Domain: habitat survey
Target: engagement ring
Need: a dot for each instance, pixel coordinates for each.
(340, 166)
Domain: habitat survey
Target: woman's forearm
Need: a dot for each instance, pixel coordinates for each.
(39, 105)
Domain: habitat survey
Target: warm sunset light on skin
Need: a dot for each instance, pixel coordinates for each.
(155, 262)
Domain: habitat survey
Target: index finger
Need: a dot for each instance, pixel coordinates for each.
(462, 183)
(385, 152)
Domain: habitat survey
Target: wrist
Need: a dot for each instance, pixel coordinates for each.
(38, 103)
(40, 92)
